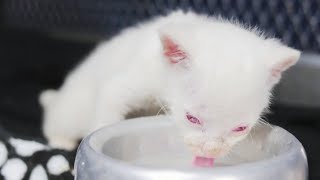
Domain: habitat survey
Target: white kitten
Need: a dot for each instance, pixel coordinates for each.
(214, 76)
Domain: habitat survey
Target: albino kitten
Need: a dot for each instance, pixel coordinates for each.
(214, 76)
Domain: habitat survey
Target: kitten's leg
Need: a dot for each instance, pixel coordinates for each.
(67, 114)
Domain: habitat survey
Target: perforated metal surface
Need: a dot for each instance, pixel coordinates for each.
(296, 22)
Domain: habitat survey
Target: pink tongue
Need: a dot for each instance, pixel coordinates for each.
(203, 161)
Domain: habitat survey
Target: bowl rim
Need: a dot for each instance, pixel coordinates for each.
(241, 168)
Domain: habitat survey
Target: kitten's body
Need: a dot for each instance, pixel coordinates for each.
(222, 70)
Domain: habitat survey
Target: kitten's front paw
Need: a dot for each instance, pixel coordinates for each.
(62, 143)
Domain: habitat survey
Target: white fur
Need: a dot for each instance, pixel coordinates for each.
(225, 81)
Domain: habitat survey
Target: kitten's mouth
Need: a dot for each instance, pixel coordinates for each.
(201, 161)
(209, 153)
(207, 158)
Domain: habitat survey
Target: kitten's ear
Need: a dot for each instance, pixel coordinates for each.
(172, 50)
(285, 57)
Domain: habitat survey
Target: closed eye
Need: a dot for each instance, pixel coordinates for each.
(193, 119)
(241, 129)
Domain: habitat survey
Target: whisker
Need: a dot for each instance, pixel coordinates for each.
(264, 122)
(251, 138)
(162, 107)
(227, 157)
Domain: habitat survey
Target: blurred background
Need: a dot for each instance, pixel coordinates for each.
(42, 40)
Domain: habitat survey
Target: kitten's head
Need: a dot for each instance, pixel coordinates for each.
(219, 80)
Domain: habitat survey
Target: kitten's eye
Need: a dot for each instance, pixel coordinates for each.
(193, 119)
(240, 129)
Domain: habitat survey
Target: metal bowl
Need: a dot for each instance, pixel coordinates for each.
(150, 148)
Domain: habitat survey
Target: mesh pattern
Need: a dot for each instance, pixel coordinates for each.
(296, 22)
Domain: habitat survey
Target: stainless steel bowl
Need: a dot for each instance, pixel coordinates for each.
(150, 148)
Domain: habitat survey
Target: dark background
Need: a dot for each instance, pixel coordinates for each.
(41, 40)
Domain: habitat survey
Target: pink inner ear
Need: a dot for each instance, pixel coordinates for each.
(173, 51)
(279, 68)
